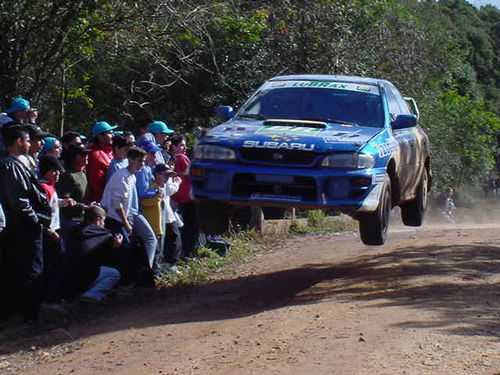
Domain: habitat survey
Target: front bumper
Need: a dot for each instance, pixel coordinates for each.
(344, 190)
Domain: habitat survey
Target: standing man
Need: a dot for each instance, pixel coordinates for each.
(101, 154)
(30, 160)
(26, 209)
(118, 200)
(157, 133)
(19, 112)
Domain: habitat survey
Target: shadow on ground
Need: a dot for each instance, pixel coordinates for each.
(460, 282)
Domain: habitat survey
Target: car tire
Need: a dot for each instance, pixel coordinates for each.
(373, 226)
(413, 212)
(213, 217)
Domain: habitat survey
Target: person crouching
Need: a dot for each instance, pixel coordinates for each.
(89, 246)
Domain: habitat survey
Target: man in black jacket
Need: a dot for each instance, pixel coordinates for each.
(26, 209)
(89, 250)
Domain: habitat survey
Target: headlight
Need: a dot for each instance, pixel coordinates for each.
(349, 160)
(213, 153)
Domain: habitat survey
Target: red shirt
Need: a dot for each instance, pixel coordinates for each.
(182, 163)
(49, 189)
(99, 160)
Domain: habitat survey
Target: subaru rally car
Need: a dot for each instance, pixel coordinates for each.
(348, 144)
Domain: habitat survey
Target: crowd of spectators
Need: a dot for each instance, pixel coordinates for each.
(78, 219)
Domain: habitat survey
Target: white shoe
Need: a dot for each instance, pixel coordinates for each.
(172, 268)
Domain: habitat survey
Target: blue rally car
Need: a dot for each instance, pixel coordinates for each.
(348, 144)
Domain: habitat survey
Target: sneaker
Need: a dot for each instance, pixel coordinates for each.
(172, 268)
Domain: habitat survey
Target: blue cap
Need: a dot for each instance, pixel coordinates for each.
(159, 127)
(101, 127)
(48, 143)
(18, 104)
(149, 146)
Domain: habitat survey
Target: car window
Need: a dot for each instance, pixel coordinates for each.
(323, 104)
(393, 102)
(402, 103)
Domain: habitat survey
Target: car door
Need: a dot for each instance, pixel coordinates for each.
(403, 137)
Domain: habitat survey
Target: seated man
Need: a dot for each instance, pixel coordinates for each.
(89, 247)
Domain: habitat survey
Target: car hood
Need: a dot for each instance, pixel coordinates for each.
(290, 135)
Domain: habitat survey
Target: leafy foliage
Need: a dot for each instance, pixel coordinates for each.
(129, 62)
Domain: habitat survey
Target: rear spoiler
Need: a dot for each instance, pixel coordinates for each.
(412, 106)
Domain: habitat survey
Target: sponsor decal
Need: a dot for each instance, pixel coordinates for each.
(324, 85)
(378, 178)
(342, 137)
(230, 132)
(279, 145)
(280, 137)
(385, 149)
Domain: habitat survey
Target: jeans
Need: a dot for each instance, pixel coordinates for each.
(106, 280)
(173, 243)
(142, 229)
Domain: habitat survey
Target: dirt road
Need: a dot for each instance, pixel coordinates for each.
(428, 302)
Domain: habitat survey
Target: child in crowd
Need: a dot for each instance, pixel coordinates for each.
(162, 218)
(53, 248)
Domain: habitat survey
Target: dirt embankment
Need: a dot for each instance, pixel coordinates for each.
(428, 302)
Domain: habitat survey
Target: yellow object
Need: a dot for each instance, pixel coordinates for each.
(152, 210)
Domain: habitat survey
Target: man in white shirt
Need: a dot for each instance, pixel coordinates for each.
(117, 199)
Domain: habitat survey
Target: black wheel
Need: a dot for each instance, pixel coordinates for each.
(213, 217)
(373, 225)
(413, 212)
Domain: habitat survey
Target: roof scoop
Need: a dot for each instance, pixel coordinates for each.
(301, 123)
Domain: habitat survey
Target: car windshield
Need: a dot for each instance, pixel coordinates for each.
(347, 106)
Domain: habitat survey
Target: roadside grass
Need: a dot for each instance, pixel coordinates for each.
(198, 270)
(318, 222)
(244, 244)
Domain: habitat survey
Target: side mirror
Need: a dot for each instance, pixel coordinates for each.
(404, 122)
(224, 111)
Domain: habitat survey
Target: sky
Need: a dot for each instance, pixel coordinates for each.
(479, 3)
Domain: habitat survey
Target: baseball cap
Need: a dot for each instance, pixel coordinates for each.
(49, 163)
(48, 143)
(79, 149)
(149, 146)
(35, 131)
(101, 127)
(18, 104)
(163, 168)
(159, 127)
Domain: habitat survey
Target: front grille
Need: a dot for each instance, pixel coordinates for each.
(245, 184)
(272, 156)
